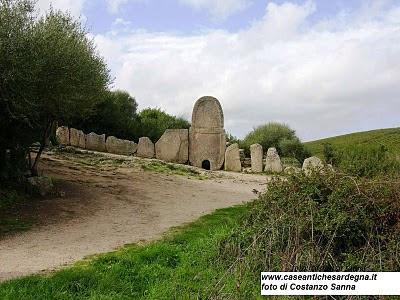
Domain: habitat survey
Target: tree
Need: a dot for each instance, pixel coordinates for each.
(115, 114)
(50, 72)
(154, 122)
(277, 135)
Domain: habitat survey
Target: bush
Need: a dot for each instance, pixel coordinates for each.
(115, 114)
(154, 122)
(362, 160)
(319, 223)
(277, 135)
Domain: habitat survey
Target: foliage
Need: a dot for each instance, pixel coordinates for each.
(232, 139)
(50, 71)
(390, 138)
(366, 161)
(180, 266)
(154, 122)
(115, 114)
(317, 223)
(277, 135)
(330, 154)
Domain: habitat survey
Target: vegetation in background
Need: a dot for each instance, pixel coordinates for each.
(154, 122)
(115, 114)
(38, 58)
(277, 135)
(390, 138)
(317, 223)
(184, 265)
(362, 160)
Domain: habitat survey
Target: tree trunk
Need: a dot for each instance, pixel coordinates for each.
(43, 143)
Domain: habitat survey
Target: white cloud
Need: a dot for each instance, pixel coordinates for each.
(75, 7)
(114, 6)
(218, 8)
(322, 79)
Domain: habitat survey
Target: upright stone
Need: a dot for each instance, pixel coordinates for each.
(123, 147)
(256, 153)
(62, 135)
(173, 146)
(145, 148)
(232, 158)
(96, 142)
(312, 164)
(273, 161)
(77, 138)
(207, 142)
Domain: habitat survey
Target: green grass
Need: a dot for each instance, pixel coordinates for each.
(389, 137)
(10, 220)
(173, 169)
(183, 265)
(100, 161)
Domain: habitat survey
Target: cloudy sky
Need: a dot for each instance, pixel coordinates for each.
(324, 67)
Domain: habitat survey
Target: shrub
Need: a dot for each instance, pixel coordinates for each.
(319, 223)
(365, 160)
(277, 135)
(330, 154)
(154, 122)
(115, 114)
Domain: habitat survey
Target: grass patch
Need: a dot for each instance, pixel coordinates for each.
(390, 138)
(183, 265)
(10, 221)
(13, 224)
(173, 169)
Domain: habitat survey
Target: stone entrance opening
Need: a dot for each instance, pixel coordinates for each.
(206, 165)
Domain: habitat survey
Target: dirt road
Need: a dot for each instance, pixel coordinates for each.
(104, 207)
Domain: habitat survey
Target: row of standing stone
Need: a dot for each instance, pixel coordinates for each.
(172, 146)
(273, 163)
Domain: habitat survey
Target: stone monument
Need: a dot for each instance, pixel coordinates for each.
(207, 140)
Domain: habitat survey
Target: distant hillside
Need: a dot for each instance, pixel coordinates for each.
(389, 137)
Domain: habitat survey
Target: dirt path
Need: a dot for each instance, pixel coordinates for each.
(106, 207)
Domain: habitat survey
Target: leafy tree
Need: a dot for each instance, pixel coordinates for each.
(277, 135)
(293, 148)
(16, 56)
(50, 72)
(116, 114)
(154, 122)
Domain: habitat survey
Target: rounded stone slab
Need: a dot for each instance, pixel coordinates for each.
(62, 135)
(311, 164)
(256, 154)
(118, 146)
(173, 146)
(77, 138)
(207, 142)
(273, 161)
(96, 142)
(232, 158)
(145, 148)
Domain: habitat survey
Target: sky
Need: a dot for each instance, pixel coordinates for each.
(324, 67)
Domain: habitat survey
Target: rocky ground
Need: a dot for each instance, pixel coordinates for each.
(104, 201)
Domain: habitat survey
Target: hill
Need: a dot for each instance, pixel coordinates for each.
(389, 137)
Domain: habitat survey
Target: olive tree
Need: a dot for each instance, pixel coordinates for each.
(51, 72)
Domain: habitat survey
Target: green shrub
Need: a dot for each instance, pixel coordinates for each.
(154, 122)
(277, 135)
(318, 223)
(365, 160)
